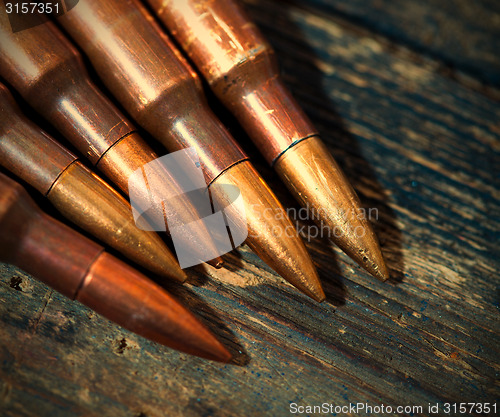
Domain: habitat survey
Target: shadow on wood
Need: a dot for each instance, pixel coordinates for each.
(342, 143)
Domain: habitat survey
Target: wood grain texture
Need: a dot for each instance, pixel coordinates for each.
(420, 148)
(464, 35)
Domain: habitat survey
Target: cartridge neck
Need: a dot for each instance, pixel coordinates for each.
(240, 67)
(49, 73)
(26, 150)
(183, 119)
(151, 79)
(81, 113)
(84, 116)
(261, 102)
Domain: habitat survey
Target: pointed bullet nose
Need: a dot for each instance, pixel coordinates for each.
(178, 328)
(370, 258)
(161, 261)
(171, 270)
(207, 346)
(271, 234)
(317, 294)
(318, 183)
(302, 276)
(123, 295)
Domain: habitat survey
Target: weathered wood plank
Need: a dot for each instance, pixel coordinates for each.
(464, 35)
(421, 149)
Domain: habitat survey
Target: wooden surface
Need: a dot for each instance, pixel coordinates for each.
(405, 98)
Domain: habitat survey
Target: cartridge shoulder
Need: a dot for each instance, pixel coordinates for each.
(35, 71)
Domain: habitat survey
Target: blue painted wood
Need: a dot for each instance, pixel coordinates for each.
(463, 35)
(422, 149)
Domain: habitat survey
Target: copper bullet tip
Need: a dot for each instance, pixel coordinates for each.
(316, 293)
(315, 179)
(79, 269)
(127, 297)
(175, 273)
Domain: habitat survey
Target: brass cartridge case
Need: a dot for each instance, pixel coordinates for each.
(47, 70)
(240, 66)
